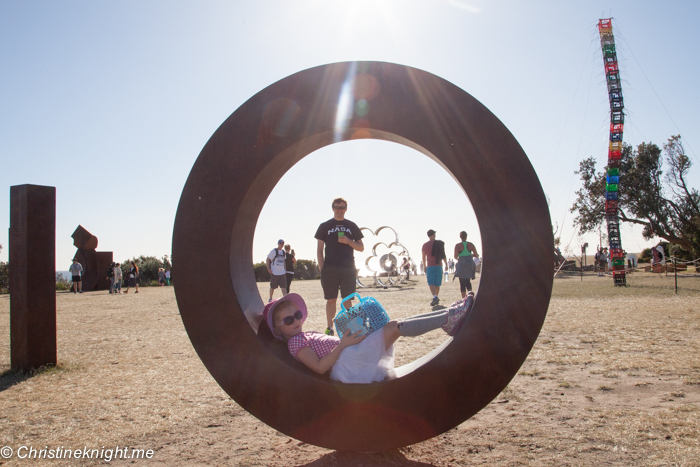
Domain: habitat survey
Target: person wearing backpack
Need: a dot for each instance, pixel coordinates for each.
(433, 257)
(276, 267)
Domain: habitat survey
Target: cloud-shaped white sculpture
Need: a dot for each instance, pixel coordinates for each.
(386, 255)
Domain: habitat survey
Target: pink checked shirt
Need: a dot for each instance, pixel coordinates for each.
(321, 344)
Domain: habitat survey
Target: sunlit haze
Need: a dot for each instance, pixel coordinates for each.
(111, 103)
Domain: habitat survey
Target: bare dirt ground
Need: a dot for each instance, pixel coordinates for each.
(614, 379)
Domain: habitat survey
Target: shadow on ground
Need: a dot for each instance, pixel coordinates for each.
(369, 459)
(11, 377)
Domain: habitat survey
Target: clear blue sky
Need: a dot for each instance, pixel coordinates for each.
(111, 103)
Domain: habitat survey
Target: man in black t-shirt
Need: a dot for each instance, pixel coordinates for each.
(339, 238)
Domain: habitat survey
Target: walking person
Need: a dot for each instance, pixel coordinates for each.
(338, 239)
(111, 277)
(133, 278)
(276, 268)
(289, 263)
(167, 277)
(76, 271)
(598, 264)
(406, 268)
(433, 258)
(118, 278)
(603, 261)
(465, 253)
(161, 277)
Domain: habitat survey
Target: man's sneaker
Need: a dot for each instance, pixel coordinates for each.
(457, 314)
(329, 332)
(435, 301)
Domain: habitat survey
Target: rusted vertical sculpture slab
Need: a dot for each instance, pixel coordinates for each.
(32, 276)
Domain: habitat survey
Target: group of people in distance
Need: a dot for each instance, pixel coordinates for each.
(434, 256)
(602, 261)
(115, 276)
(358, 357)
(280, 264)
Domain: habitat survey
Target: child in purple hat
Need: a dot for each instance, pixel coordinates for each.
(354, 358)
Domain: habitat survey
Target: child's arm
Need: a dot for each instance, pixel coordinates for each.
(321, 365)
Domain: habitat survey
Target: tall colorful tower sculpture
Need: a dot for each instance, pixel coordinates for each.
(617, 122)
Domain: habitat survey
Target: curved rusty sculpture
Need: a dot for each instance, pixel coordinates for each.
(228, 186)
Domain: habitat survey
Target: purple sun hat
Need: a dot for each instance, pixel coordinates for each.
(270, 306)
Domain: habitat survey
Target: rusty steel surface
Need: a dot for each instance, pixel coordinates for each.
(32, 276)
(227, 188)
(95, 263)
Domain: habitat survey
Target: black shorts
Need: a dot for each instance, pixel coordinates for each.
(76, 278)
(334, 278)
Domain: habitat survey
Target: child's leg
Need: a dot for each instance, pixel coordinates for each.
(420, 324)
(391, 333)
(423, 315)
(448, 319)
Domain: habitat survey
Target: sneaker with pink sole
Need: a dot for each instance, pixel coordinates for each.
(457, 314)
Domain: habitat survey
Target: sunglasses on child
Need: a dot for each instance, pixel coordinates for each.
(289, 320)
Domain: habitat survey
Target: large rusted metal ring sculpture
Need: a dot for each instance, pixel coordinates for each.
(227, 188)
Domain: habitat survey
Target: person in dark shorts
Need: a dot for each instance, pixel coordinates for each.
(289, 262)
(275, 266)
(132, 278)
(76, 271)
(338, 239)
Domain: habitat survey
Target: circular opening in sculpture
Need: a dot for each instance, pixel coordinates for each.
(399, 188)
(238, 169)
